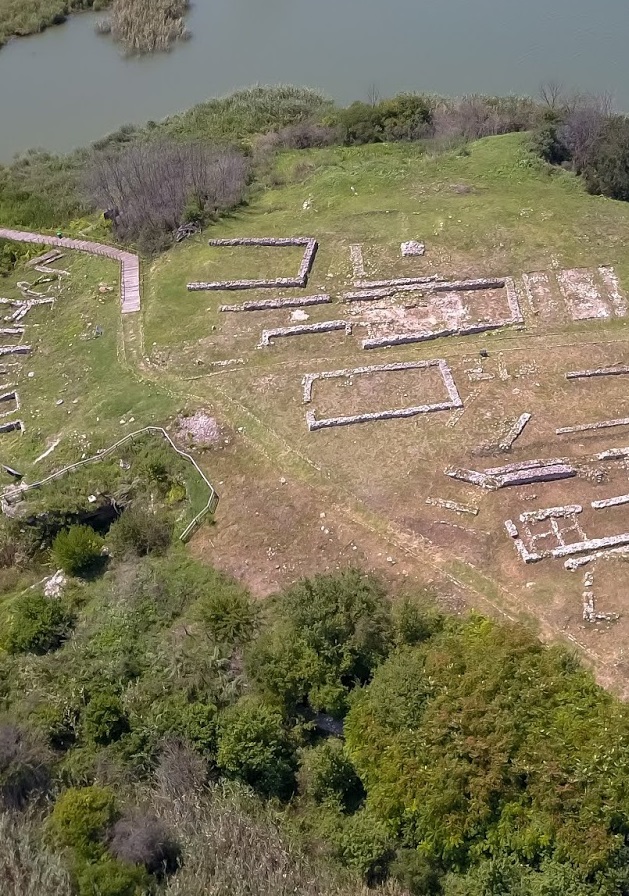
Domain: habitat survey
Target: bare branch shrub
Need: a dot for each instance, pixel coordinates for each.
(145, 840)
(472, 117)
(552, 94)
(180, 770)
(24, 770)
(27, 867)
(153, 184)
(584, 121)
(307, 135)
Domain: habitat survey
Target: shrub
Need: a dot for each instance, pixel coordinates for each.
(548, 143)
(24, 766)
(82, 818)
(77, 549)
(255, 747)
(104, 719)
(416, 873)
(140, 532)
(145, 840)
(57, 722)
(416, 622)
(307, 135)
(403, 117)
(326, 775)
(365, 844)
(229, 614)
(109, 877)
(39, 624)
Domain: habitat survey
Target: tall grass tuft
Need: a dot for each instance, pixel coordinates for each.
(27, 866)
(144, 26)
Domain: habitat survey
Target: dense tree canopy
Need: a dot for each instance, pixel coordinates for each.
(483, 745)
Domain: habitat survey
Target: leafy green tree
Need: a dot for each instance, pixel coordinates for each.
(326, 775)
(77, 549)
(255, 747)
(39, 624)
(483, 743)
(330, 633)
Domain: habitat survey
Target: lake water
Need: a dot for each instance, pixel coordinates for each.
(68, 86)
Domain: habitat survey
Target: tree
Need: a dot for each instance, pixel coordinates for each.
(254, 746)
(483, 743)
(330, 633)
(607, 168)
(77, 549)
(326, 775)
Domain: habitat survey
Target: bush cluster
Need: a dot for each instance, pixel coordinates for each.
(77, 549)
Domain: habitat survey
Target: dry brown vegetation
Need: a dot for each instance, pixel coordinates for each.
(143, 26)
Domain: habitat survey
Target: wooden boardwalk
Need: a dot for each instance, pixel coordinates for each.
(129, 263)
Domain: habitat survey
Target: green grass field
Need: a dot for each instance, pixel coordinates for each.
(491, 210)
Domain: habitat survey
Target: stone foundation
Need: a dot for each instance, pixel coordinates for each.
(300, 281)
(13, 426)
(525, 473)
(610, 502)
(15, 350)
(326, 326)
(271, 304)
(389, 414)
(329, 422)
(587, 427)
(453, 393)
(514, 433)
(599, 371)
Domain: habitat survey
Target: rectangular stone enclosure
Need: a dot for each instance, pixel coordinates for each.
(449, 399)
(299, 280)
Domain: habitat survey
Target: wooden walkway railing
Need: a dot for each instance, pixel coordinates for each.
(129, 263)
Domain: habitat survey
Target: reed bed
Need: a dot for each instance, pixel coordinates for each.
(146, 26)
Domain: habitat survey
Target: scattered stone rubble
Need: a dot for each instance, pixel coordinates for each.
(453, 505)
(199, 428)
(412, 248)
(358, 265)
